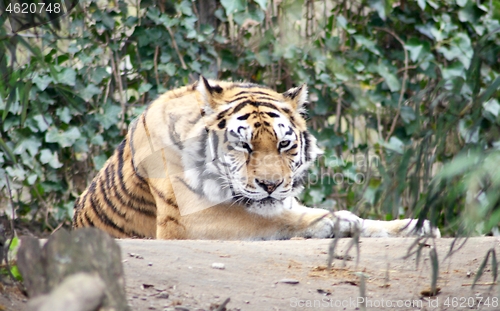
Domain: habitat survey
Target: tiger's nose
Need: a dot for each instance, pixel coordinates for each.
(268, 185)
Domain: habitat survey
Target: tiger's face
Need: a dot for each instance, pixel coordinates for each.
(258, 147)
(262, 150)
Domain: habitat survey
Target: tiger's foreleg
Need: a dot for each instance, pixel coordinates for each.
(168, 217)
(380, 229)
(322, 223)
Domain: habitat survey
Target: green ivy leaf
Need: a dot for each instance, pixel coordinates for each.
(31, 145)
(460, 48)
(97, 140)
(32, 179)
(367, 43)
(492, 106)
(185, 8)
(169, 68)
(16, 172)
(262, 4)
(145, 87)
(89, 91)
(42, 82)
(64, 114)
(407, 114)
(379, 6)
(394, 144)
(418, 49)
(64, 139)
(421, 4)
(110, 116)
(99, 161)
(233, 6)
(390, 78)
(50, 158)
(98, 75)
(67, 76)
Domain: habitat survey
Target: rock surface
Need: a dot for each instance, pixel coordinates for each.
(67, 253)
(181, 276)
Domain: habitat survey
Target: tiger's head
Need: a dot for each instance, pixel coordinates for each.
(257, 149)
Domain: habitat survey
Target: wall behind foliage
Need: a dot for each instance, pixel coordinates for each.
(403, 95)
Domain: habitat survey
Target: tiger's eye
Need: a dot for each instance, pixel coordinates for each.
(284, 143)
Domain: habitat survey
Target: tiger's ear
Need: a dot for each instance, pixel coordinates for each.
(297, 96)
(208, 94)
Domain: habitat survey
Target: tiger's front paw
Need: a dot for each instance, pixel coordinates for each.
(346, 224)
(408, 228)
(398, 228)
(320, 228)
(330, 224)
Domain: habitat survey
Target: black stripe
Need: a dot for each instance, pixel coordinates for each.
(216, 89)
(232, 133)
(131, 197)
(87, 219)
(272, 114)
(172, 219)
(241, 128)
(261, 93)
(307, 146)
(271, 99)
(203, 139)
(235, 99)
(165, 199)
(199, 192)
(108, 202)
(173, 135)
(302, 146)
(140, 182)
(119, 197)
(103, 217)
(244, 117)
(222, 124)
(222, 114)
(215, 145)
(269, 105)
(241, 106)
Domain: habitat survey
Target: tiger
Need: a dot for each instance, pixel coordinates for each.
(219, 160)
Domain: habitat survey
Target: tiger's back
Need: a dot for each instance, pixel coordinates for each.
(119, 199)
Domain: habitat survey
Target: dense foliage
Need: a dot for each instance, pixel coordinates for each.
(404, 95)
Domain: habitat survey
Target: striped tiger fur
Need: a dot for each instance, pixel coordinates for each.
(217, 160)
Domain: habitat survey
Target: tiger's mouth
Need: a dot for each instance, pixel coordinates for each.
(249, 202)
(267, 200)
